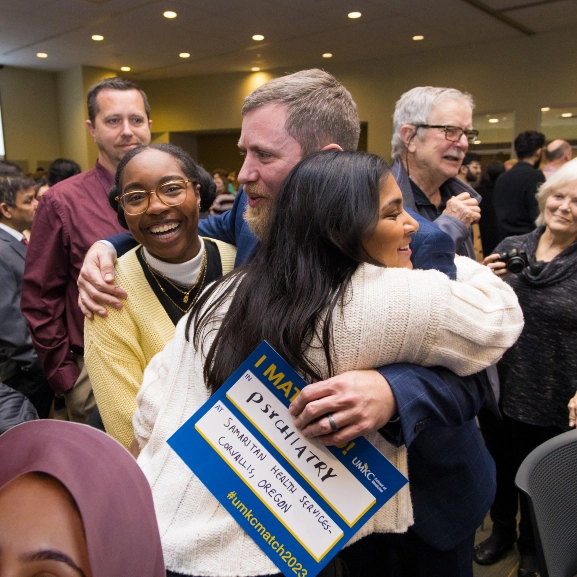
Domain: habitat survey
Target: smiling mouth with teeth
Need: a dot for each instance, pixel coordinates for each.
(164, 230)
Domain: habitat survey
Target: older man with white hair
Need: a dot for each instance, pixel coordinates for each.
(432, 130)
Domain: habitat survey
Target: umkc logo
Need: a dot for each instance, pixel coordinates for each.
(364, 469)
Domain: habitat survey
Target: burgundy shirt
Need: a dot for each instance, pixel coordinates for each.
(71, 217)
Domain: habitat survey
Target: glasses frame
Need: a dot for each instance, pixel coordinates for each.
(119, 198)
(471, 135)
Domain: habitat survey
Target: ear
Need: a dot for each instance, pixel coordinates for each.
(332, 146)
(5, 211)
(408, 132)
(90, 127)
(539, 152)
(149, 124)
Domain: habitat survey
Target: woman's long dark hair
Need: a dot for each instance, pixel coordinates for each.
(327, 205)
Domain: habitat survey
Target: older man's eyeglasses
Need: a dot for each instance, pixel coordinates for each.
(170, 193)
(453, 133)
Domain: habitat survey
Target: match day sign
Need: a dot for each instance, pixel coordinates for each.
(300, 501)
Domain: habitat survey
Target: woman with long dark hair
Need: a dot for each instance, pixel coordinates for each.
(330, 289)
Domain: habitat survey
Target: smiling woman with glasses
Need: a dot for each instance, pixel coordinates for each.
(157, 198)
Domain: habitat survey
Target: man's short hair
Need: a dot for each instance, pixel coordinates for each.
(320, 110)
(558, 152)
(471, 157)
(116, 83)
(414, 107)
(528, 143)
(11, 185)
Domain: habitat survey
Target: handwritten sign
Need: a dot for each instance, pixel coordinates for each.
(300, 501)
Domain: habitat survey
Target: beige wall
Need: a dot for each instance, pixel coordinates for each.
(29, 115)
(520, 75)
(71, 115)
(90, 76)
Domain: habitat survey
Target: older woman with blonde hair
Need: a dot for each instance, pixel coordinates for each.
(538, 375)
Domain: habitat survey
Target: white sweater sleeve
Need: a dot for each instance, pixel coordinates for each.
(150, 398)
(422, 317)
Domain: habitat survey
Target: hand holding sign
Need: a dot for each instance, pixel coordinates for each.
(290, 493)
(360, 402)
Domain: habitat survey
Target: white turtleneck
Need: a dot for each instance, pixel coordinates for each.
(182, 273)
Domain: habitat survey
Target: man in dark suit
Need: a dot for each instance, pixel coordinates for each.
(19, 365)
(431, 411)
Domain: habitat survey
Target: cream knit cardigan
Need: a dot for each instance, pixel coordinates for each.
(390, 316)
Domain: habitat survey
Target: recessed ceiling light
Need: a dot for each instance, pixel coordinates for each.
(125, 68)
(41, 54)
(169, 14)
(354, 14)
(258, 37)
(567, 115)
(476, 142)
(418, 37)
(545, 109)
(327, 55)
(255, 69)
(97, 37)
(184, 54)
(493, 120)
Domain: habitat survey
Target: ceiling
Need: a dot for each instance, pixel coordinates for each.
(218, 33)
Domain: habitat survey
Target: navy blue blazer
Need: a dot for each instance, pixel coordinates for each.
(452, 476)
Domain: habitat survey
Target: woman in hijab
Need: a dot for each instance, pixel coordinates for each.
(73, 502)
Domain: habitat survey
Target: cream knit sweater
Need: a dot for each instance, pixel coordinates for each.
(118, 348)
(391, 315)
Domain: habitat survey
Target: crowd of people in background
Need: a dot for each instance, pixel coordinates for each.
(133, 290)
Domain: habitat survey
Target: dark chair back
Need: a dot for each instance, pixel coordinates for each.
(548, 476)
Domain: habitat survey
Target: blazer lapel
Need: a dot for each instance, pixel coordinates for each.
(18, 247)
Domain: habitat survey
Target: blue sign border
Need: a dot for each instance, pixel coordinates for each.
(291, 556)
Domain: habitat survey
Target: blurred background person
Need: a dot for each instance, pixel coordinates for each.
(61, 169)
(40, 187)
(470, 170)
(557, 153)
(7, 168)
(538, 374)
(509, 164)
(514, 194)
(74, 502)
(207, 192)
(224, 197)
(488, 223)
(20, 368)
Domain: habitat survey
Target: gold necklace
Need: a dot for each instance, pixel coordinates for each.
(200, 277)
(157, 274)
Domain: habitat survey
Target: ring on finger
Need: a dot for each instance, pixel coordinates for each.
(332, 423)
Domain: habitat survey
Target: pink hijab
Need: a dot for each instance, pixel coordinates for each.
(111, 492)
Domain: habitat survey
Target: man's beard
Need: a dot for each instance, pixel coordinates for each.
(471, 178)
(258, 217)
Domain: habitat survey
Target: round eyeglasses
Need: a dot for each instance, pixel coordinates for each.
(170, 193)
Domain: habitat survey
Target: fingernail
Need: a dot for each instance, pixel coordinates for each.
(108, 277)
